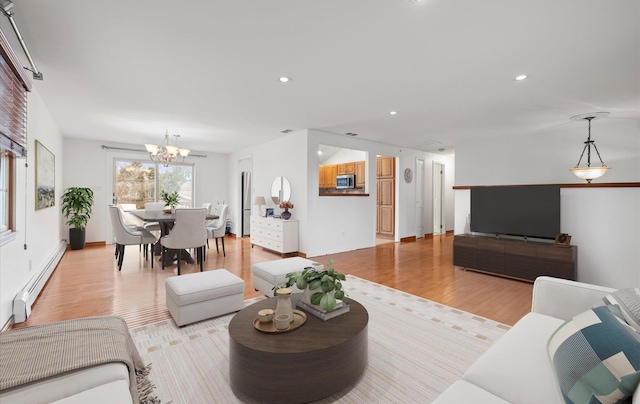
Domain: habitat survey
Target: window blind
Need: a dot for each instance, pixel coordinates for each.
(13, 103)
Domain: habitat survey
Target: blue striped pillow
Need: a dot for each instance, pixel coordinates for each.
(596, 357)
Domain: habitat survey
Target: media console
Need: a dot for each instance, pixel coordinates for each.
(518, 259)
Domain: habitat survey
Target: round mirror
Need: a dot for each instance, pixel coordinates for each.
(280, 190)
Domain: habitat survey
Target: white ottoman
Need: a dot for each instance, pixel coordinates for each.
(267, 274)
(203, 295)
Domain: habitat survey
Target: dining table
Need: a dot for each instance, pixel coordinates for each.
(166, 221)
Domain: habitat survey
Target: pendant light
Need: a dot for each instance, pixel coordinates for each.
(589, 173)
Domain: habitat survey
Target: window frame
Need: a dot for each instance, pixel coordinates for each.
(117, 160)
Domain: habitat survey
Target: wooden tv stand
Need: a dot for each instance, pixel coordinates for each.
(514, 258)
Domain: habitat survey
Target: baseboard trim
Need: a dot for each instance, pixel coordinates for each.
(410, 239)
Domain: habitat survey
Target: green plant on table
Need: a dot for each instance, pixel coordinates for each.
(326, 285)
(170, 199)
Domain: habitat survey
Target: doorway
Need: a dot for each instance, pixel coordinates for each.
(419, 198)
(438, 203)
(386, 198)
(245, 197)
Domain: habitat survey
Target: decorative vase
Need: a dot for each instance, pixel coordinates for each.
(283, 306)
(286, 215)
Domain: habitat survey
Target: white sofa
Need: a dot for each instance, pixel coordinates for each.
(101, 384)
(517, 368)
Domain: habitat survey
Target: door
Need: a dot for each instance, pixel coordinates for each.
(246, 203)
(386, 197)
(438, 209)
(419, 197)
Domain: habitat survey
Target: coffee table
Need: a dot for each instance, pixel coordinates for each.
(306, 364)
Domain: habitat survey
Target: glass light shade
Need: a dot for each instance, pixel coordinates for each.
(151, 148)
(172, 150)
(184, 152)
(589, 173)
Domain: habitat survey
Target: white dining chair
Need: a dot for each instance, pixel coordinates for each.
(218, 228)
(153, 206)
(124, 236)
(189, 231)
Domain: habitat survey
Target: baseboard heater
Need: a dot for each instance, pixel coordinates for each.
(25, 298)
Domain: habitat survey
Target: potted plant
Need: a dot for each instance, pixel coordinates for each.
(170, 199)
(321, 287)
(76, 207)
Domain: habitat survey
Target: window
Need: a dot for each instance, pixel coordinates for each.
(136, 182)
(13, 134)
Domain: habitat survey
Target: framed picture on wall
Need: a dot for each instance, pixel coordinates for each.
(45, 177)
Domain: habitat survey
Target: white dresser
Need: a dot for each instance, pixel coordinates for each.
(276, 235)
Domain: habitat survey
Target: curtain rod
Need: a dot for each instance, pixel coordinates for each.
(144, 151)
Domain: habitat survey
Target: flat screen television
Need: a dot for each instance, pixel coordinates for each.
(529, 211)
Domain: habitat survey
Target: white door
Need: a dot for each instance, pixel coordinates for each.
(419, 198)
(438, 211)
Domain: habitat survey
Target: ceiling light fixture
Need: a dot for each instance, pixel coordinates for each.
(521, 77)
(393, 113)
(284, 79)
(166, 153)
(589, 173)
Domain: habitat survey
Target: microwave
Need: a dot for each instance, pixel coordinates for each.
(345, 181)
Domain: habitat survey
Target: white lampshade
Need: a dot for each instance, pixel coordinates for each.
(151, 148)
(589, 173)
(184, 152)
(259, 200)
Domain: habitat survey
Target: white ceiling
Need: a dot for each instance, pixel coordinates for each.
(124, 71)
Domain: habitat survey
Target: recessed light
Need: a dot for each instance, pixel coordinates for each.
(521, 77)
(393, 113)
(319, 152)
(284, 79)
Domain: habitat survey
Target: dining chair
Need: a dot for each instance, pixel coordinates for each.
(153, 206)
(124, 235)
(129, 220)
(189, 231)
(218, 228)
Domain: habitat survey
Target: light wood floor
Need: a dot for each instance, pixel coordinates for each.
(88, 283)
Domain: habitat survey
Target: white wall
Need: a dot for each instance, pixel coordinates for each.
(345, 156)
(89, 165)
(604, 222)
(323, 220)
(38, 229)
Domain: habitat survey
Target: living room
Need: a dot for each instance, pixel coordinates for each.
(537, 146)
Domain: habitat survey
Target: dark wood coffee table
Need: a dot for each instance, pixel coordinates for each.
(306, 364)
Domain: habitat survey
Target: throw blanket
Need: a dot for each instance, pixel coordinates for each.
(34, 353)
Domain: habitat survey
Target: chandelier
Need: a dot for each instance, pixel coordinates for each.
(589, 173)
(166, 153)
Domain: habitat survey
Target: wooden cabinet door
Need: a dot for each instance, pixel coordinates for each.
(321, 177)
(386, 207)
(386, 166)
(360, 179)
(342, 169)
(330, 173)
(350, 168)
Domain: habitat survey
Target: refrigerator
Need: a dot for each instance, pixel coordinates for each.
(246, 202)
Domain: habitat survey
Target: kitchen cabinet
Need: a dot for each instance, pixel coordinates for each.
(360, 177)
(321, 179)
(330, 173)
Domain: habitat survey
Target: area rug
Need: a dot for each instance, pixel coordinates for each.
(417, 348)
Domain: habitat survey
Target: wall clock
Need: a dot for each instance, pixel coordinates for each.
(408, 175)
